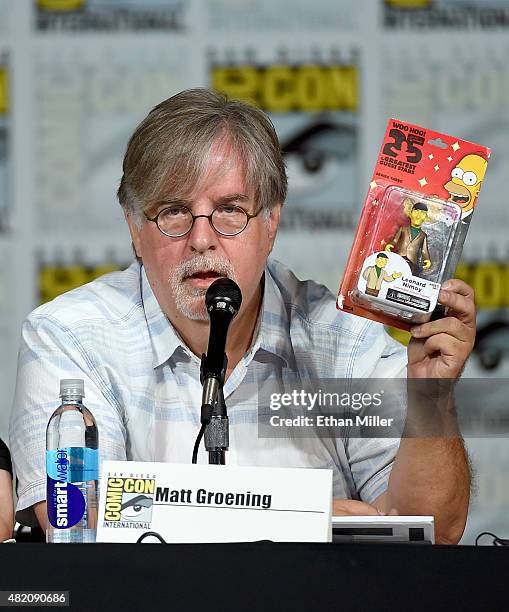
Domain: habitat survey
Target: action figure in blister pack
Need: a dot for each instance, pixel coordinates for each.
(404, 279)
(413, 225)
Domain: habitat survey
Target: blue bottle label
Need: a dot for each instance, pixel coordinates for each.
(65, 466)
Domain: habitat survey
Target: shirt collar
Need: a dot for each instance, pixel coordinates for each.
(273, 327)
(275, 330)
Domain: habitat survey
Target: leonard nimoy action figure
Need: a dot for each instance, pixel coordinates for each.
(410, 241)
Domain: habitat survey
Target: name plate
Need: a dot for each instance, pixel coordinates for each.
(213, 503)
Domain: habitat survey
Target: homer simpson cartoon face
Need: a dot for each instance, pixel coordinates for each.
(466, 181)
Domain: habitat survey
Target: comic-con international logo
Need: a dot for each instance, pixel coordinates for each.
(129, 502)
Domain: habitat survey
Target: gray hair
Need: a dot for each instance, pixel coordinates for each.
(167, 154)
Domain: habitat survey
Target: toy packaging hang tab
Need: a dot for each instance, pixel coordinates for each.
(413, 225)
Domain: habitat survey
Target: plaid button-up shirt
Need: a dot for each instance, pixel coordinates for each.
(142, 381)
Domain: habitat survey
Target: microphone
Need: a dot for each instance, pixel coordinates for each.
(222, 301)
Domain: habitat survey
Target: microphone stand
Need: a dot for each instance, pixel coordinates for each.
(214, 417)
(217, 432)
(222, 301)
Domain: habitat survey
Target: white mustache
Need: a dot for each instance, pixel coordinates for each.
(204, 263)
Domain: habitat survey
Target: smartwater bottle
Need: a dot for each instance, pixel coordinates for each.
(72, 467)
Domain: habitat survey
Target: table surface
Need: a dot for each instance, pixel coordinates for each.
(262, 576)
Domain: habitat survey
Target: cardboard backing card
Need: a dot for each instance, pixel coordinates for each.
(413, 225)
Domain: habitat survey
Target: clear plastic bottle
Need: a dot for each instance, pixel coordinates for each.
(72, 458)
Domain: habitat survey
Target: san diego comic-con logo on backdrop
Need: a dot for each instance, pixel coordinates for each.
(313, 101)
(129, 502)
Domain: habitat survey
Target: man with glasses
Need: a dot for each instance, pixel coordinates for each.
(202, 189)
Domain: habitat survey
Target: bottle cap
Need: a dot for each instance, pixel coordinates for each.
(72, 386)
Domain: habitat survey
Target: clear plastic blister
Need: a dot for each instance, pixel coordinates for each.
(408, 242)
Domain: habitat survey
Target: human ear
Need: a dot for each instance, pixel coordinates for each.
(134, 230)
(273, 222)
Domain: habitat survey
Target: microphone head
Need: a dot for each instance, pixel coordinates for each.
(223, 294)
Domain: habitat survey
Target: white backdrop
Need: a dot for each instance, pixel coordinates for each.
(74, 83)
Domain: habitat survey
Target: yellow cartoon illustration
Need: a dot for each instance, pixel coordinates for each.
(410, 241)
(376, 275)
(465, 183)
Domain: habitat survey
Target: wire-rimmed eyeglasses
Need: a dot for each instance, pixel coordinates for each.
(177, 220)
